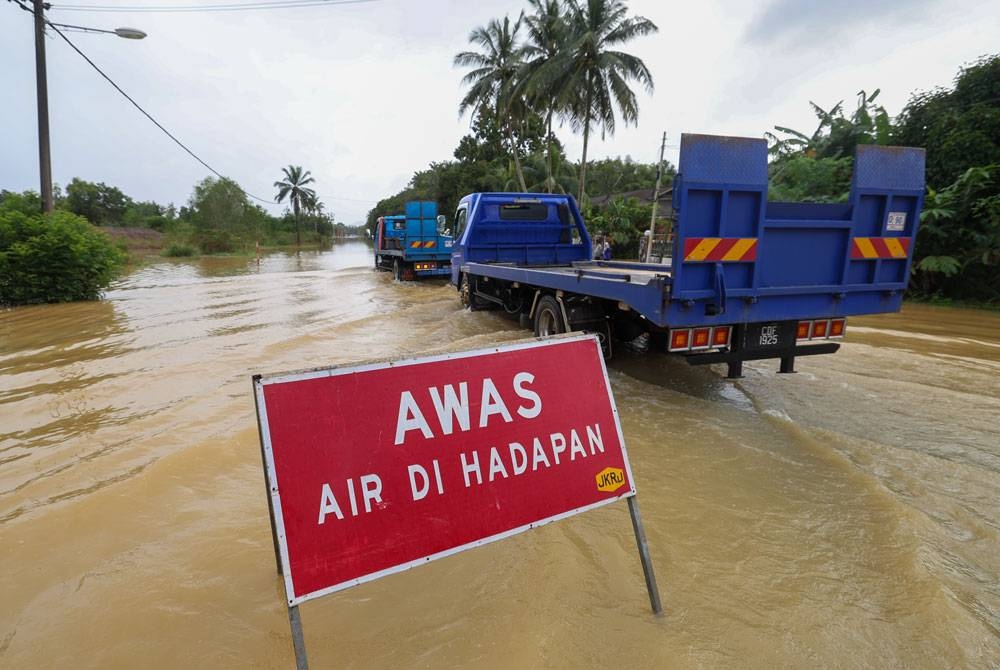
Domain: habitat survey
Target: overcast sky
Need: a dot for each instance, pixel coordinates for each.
(365, 94)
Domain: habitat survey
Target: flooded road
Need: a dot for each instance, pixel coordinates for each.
(844, 516)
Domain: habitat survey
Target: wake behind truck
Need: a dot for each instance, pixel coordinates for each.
(414, 244)
(750, 279)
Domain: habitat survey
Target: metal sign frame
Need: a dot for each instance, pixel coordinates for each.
(293, 599)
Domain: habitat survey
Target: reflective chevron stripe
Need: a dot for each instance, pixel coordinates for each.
(720, 249)
(870, 248)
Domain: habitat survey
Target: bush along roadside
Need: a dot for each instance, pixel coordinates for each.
(58, 257)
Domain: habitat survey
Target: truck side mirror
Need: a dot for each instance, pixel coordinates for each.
(442, 221)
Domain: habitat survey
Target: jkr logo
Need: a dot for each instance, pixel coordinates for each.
(610, 479)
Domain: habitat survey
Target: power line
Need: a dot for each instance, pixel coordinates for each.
(149, 116)
(22, 6)
(218, 7)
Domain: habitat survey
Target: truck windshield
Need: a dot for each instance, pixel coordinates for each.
(524, 211)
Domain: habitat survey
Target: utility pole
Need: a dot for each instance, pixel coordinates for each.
(44, 159)
(656, 198)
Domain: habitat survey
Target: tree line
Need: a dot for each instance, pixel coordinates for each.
(68, 255)
(218, 217)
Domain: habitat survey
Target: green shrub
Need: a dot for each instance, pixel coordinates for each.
(58, 257)
(27, 202)
(180, 250)
(214, 241)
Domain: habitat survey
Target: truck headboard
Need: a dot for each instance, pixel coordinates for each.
(736, 252)
(525, 229)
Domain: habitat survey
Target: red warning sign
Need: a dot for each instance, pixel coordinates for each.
(377, 468)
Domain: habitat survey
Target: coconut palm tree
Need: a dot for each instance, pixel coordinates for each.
(492, 81)
(546, 30)
(594, 76)
(293, 186)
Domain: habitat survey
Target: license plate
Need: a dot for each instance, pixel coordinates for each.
(775, 335)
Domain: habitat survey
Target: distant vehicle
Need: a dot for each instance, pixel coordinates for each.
(414, 244)
(751, 279)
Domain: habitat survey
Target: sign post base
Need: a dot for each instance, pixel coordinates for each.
(298, 641)
(647, 563)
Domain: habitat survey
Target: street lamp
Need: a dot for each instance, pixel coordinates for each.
(127, 33)
(41, 85)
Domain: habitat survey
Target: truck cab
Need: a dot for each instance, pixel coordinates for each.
(524, 229)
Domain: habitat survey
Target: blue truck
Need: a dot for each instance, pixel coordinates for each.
(750, 279)
(413, 244)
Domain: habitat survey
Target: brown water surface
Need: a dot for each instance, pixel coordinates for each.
(844, 516)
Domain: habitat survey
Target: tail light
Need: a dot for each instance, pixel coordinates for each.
(424, 266)
(802, 332)
(680, 340)
(721, 335)
(820, 329)
(700, 339)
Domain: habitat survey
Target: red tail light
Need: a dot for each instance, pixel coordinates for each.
(680, 340)
(821, 329)
(720, 336)
(700, 338)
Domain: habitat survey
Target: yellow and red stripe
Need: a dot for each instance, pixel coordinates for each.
(428, 244)
(720, 249)
(870, 248)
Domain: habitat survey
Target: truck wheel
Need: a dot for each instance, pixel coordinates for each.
(378, 262)
(548, 317)
(465, 294)
(397, 270)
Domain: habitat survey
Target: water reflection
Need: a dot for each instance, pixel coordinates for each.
(40, 337)
(343, 254)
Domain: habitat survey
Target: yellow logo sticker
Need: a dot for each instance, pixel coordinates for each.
(610, 479)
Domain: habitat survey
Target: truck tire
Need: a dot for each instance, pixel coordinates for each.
(548, 317)
(378, 262)
(465, 295)
(397, 270)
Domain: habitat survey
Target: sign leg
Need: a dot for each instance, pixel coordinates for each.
(647, 563)
(267, 482)
(298, 641)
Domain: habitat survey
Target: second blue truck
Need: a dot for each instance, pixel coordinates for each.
(413, 244)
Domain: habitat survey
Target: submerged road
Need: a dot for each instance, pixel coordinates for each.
(844, 516)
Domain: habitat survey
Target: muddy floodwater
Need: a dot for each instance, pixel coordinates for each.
(845, 516)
